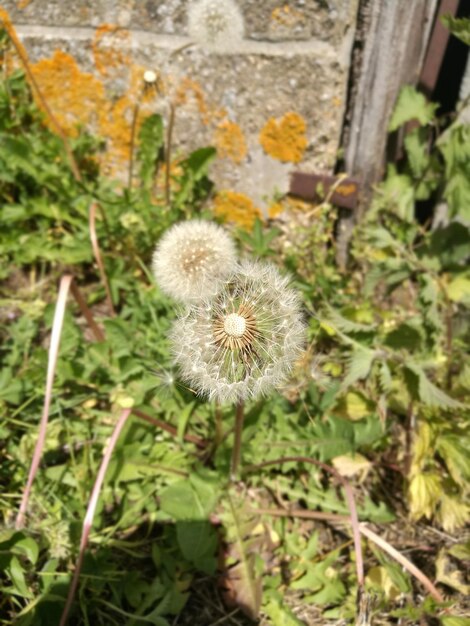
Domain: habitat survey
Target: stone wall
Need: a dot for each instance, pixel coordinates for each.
(275, 100)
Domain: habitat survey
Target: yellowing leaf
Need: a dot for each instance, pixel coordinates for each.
(452, 513)
(424, 492)
(328, 329)
(356, 406)
(422, 447)
(352, 464)
(458, 289)
(378, 578)
(447, 574)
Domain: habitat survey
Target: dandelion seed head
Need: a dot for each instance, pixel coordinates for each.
(216, 25)
(150, 77)
(242, 342)
(192, 260)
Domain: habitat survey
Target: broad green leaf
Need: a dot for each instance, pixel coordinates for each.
(411, 105)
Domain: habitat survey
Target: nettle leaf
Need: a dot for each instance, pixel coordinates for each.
(453, 513)
(460, 27)
(348, 326)
(424, 493)
(454, 450)
(359, 366)
(416, 145)
(385, 377)
(411, 105)
(427, 391)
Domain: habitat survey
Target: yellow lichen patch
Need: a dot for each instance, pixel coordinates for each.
(230, 141)
(22, 4)
(73, 96)
(236, 207)
(275, 209)
(108, 45)
(287, 16)
(285, 139)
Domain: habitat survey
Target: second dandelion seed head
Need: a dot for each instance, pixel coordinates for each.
(192, 259)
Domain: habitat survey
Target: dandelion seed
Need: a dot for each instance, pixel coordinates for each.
(251, 341)
(216, 25)
(193, 259)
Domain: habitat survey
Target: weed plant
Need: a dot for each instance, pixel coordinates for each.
(373, 423)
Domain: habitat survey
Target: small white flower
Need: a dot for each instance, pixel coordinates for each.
(192, 260)
(243, 342)
(216, 25)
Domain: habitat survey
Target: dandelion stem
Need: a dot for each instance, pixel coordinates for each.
(219, 434)
(237, 446)
(169, 138)
(132, 146)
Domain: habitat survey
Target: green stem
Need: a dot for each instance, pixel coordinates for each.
(237, 446)
(171, 123)
(132, 146)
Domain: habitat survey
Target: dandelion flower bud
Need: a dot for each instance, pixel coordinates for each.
(192, 260)
(243, 342)
(216, 25)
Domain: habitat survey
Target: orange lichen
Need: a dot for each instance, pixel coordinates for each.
(346, 190)
(71, 94)
(236, 207)
(188, 87)
(108, 45)
(285, 139)
(22, 4)
(230, 141)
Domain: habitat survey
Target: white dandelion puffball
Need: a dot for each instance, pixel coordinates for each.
(243, 342)
(216, 25)
(192, 259)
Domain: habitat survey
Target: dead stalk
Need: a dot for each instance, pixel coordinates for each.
(59, 130)
(98, 258)
(51, 366)
(86, 312)
(90, 513)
